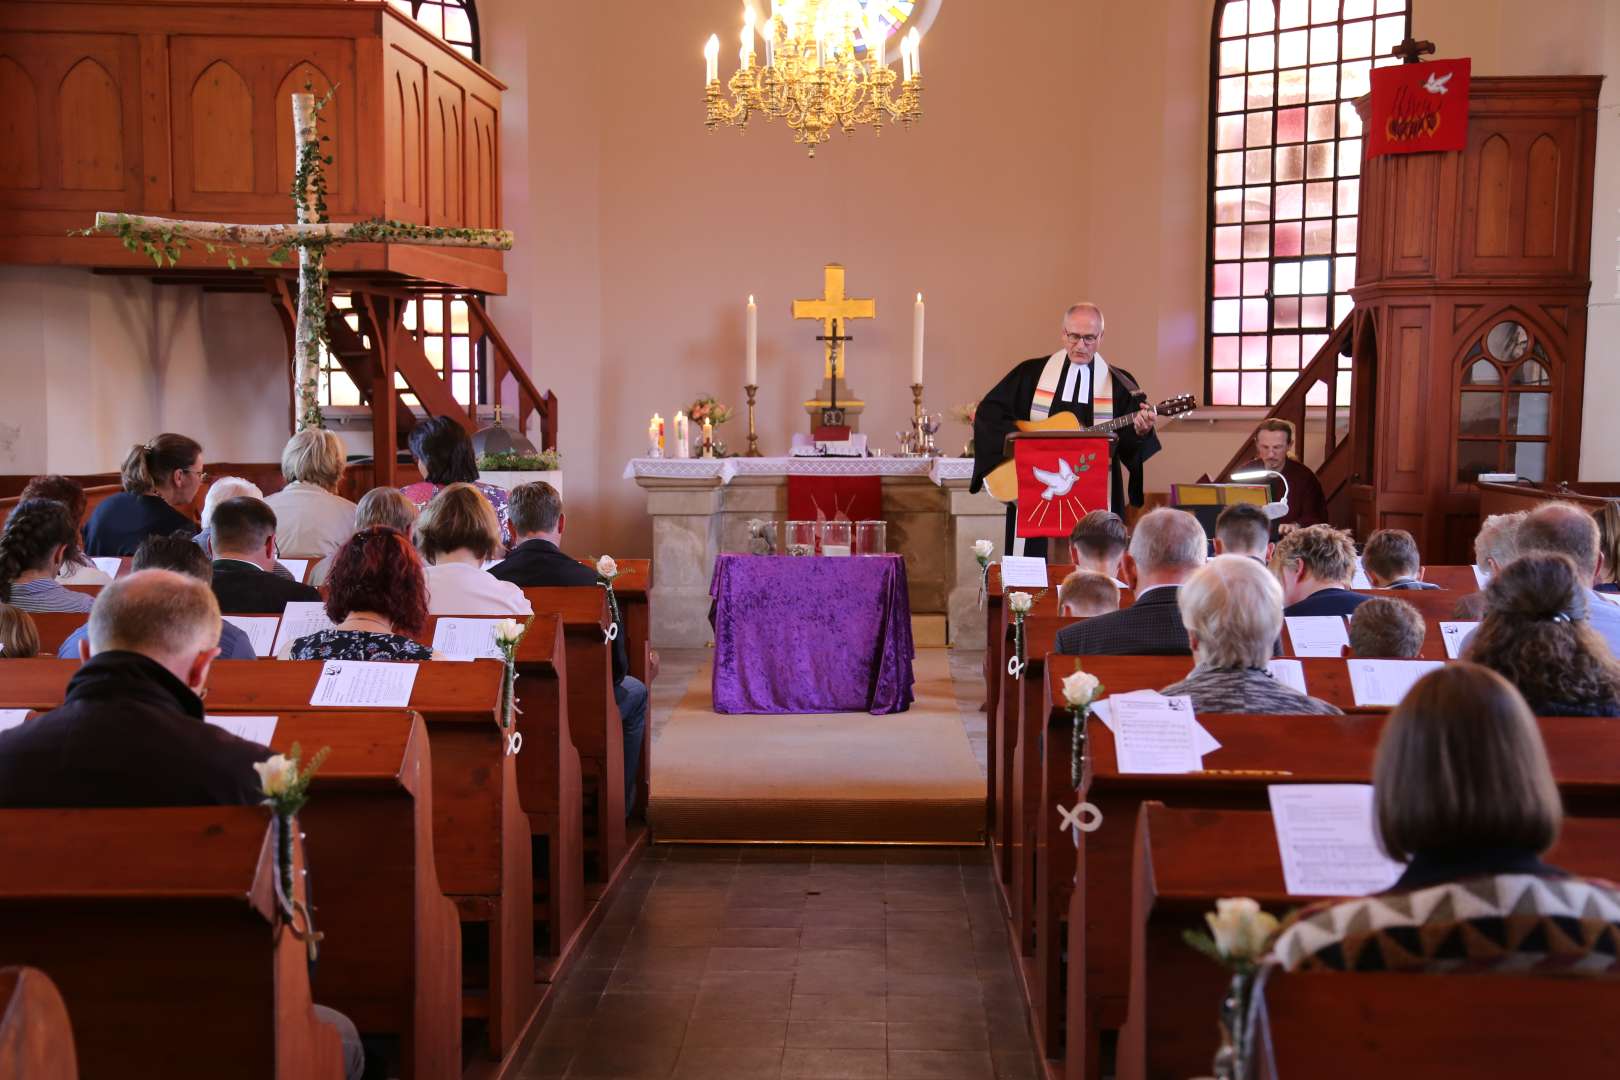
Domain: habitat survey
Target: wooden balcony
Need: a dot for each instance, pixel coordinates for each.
(182, 109)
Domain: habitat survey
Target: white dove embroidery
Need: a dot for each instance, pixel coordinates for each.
(1057, 483)
(1436, 84)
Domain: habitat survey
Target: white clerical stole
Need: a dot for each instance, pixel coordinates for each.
(1076, 388)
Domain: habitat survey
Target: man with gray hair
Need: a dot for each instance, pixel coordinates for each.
(1075, 380)
(1495, 545)
(1167, 547)
(131, 730)
(1567, 529)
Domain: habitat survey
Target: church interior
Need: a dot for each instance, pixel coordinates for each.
(1097, 575)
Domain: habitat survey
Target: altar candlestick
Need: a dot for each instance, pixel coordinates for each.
(753, 343)
(917, 340)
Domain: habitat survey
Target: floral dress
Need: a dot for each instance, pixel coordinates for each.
(422, 493)
(358, 645)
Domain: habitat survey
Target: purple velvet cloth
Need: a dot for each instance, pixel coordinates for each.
(814, 634)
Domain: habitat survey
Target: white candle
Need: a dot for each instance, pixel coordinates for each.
(682, 444)
(916, 52)
(879, 41)
(711, 57)
(748, 36)
(917, 342)
(655, 436)
(753, 342)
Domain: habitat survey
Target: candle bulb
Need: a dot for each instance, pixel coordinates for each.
(748, 36)
(917, 342)
(916, 52)
(753, 343)
(711, 57)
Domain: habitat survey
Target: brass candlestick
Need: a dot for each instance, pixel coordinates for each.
(753, 439)
(916, 402)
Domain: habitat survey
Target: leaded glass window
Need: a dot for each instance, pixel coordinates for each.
(455, 22)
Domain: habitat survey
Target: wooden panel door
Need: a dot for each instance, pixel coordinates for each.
(1521, 180)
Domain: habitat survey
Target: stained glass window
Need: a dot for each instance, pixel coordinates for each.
(1284, 180)
(453, 21)
(890, 14)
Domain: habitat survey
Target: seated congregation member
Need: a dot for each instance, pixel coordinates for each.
(161, 480)
(78, 569)
(130, 731)
(180, 555)
(386, 506)
(1464, 796)
(1274, 450)
(245, 581)
(1608, 520)
(1386, 629)
(457, 534)
(1084, 594)
(444, 452)
(1098, 544)
(1536, 633)
(1243, 529)
(222, 490)
(1495, 545)
(1166, 549)
(19, 637)
(312, 519)
(377, 597)
(1315, 565)
(1233, 612)
(537, 561)
(39, 539)
(1390, 558)
(1566, 529)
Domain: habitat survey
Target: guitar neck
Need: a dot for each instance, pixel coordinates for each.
(1112, 425)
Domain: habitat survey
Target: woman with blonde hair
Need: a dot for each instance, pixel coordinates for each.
(312, 519)
(457, 534)
(19, 637)
(161, 480)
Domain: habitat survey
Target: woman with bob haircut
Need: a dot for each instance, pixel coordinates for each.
(161, 480)
(458, 534)
(377, 598)
(1232, 610)
(444, 453)
(1535, 633)
(312, 519)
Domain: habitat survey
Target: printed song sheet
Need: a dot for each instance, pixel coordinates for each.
(1318, 635)
(1456, 635)
(1385, 682)
(1023, 572)
(1291, 673)
(371, 683)
(108, 564)
(467, 639)
(300, 618)
(260, 629)
(10, 718)
(296, 567)
(1359, 579)
(1104, 710)
(259, 729)
(1156, 734)
(1326, 840)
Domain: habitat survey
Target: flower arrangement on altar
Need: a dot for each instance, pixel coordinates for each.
(966, 414)
(1240, 935)
(708, 407)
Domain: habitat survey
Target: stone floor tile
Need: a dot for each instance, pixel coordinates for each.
(712, 1031)
(837, 1034)
(933, 1035)
(842, 937)
(799, 1063)
(730, 958)
(940, 1065)
(729, 1063)
(625, 1059)
(844, 1006)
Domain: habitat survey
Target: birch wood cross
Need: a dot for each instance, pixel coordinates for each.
(311, 235)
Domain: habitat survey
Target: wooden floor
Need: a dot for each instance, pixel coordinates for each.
(735, 963)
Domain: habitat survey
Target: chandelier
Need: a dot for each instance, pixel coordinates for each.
(812, 78)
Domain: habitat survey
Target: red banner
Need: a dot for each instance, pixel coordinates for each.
(1418, 107)
(1060, 480)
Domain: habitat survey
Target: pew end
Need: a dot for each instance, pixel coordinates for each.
(36, 1035)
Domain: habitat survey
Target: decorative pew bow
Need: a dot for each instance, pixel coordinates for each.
(606, 571)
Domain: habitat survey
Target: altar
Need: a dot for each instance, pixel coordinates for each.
(700, 508)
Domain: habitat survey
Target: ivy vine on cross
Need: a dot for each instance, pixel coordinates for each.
(163, 239)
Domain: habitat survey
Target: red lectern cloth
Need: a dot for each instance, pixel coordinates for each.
(1059, 482)
(1419, 107)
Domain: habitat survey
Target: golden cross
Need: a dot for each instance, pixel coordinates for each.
(832, 306)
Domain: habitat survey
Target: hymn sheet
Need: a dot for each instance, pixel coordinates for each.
(381, 684)
(1318, 635)
(1157, 734)
(10, 718)
(467, 639)
(1456, 635)
(256, 729)
(108, 564)
(1326, 840)
(1023, 572)
(296, 567)
(260, 630)
(1291, 673)
(1385, 682)
(299, 619)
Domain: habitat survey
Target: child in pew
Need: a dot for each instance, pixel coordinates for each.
(1085, 593)
(19, 637)
(39, 539)
(77, 569)
(1386, 629)
(1098, 544)
(130, 730)
(1535, 633)
(1390, 558)
(1464, 796)
(377, 597)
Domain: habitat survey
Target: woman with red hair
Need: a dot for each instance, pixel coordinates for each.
(376, 596)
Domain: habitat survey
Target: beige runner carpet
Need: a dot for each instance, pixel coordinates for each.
(827, 778)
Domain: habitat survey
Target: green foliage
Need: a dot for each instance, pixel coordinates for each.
(508, 461)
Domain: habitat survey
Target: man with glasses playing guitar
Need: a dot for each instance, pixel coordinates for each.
(1074, 388)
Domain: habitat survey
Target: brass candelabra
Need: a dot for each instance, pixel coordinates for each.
(753, 439)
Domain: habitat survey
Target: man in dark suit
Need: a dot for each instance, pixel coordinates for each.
(536, 561)
(244, 535)
(1166, 549)
(1316, 565)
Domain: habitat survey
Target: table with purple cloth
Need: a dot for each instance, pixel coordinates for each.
(812, 634)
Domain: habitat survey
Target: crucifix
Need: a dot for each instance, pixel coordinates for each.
(1411, 50)
(834, 310)
(164, 238)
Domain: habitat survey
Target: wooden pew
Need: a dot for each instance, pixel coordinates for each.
(1186, 859)
(1326, 679)
(633, 587)
(162, 929)
(1456, 580)
(593, 718)
(36, 1034)
(56, 627)
(480, 836)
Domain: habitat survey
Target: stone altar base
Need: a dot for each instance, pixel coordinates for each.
(933, 522)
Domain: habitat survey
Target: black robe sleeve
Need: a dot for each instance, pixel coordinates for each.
(1130, 449)
(997, 416)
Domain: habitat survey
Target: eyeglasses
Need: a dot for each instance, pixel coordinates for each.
(1076, 339)
(201, 476)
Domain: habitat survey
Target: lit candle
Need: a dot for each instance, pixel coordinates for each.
(711, 57)
(655, 433)
(708, 437)
(880, 40)
(905, 57)
(748, 35)
(683, 446)
(916, 52)
(917, 342)
(753, 342)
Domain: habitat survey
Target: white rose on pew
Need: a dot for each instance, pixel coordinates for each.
(1019, 603)
(1080, 689)
(277, 774)
(983, 549)
(607, 568)
(509, 631)
(1242, 931)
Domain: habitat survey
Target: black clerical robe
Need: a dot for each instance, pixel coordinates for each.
(1009, 401)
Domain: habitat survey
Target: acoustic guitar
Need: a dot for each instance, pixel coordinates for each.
(1002, 481)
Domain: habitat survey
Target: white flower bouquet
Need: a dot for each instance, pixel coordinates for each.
(606, 571)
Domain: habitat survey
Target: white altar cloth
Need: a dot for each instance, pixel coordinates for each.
(940, 470)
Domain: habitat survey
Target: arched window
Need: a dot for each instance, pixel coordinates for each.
(1284, 187)
(1505, 407)
(455, 21)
